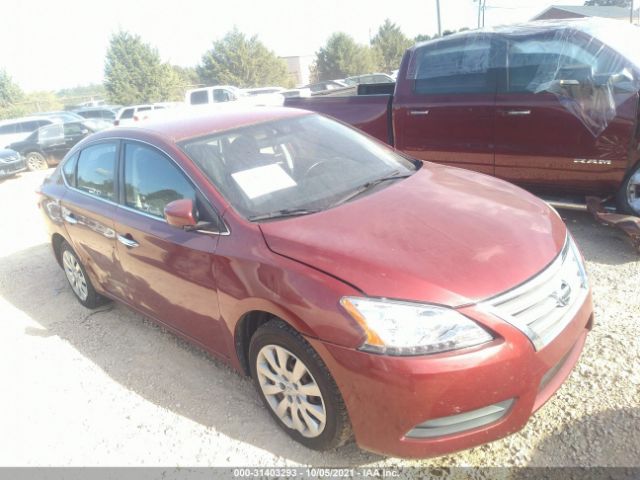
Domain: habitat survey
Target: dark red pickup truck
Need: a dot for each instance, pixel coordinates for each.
(550, 106)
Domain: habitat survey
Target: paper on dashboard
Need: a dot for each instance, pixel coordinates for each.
(259, 181)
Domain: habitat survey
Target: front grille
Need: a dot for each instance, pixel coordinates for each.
(9, 159)
(543, 306)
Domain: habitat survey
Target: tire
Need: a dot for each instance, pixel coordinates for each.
(78, 279)
(628, 198)
(36, 161)
(277, 341)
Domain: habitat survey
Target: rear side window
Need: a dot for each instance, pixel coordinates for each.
(69, 170)
(199, 97)
(453, 67)
(220, 95)
(95, 172)
(152, 180)
(127, 113)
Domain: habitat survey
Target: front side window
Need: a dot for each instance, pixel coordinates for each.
(50, 132)
(127, 113)
(307, 162)
(456, 66)
(96, 170)
(152, 180)
(535, 62)
(220, 95)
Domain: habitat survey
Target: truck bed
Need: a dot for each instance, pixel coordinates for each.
(369, 113)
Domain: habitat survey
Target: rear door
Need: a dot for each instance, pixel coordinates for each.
(88, 208)
(556, 128)
(446, 112)
(168, 272)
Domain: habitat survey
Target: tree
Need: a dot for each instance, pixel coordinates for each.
(10, 95)
(343, 57)
(608, 3)
(391, 44)
(134, 72)
(242, 62)
(422, 38)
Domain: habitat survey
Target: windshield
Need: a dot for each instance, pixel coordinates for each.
(303, 164)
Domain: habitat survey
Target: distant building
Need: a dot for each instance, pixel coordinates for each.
(299, 67)
(559, 12)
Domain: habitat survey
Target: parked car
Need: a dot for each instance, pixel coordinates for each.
(19, 128)
(10, 163)
(104, 112)
(215, 94)
(132, 114)
(426, 308)
(60, 116)
(49, 144)
(369, 78)
(551, 106)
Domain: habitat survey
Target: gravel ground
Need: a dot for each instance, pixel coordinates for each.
(111, 388)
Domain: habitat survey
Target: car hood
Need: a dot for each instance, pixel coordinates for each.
(445, 235)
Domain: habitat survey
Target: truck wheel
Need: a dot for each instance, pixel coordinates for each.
(297, 388)
(628, 197)
(36, 161)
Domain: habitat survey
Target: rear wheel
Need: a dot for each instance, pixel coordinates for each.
(297, 388)
(628, 198)
(36, 161)
(78, 279)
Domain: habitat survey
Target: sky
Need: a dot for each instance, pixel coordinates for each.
(49, 45)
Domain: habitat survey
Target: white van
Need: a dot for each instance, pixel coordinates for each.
(18, 129)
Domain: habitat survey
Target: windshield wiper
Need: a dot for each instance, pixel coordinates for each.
(286, 212)
(368, 186)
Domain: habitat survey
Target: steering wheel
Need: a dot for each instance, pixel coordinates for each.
(316, 168)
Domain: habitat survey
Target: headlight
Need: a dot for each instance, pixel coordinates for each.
(403, 328)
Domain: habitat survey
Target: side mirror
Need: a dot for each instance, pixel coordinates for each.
(180, 213)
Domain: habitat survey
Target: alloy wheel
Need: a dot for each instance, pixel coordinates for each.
(36, 162)
(291, 390)
(633, 192)
(75, 275)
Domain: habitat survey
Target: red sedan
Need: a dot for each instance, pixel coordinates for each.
(422, 308)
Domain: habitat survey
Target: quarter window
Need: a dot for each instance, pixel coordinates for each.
(453, 66)
(95, 173)
(152, 180)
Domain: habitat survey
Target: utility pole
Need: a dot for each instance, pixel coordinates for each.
(439, 21)
(484, 7)
(479, 12)
(631, 13)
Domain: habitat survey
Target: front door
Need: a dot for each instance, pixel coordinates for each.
(560, 124)
(168, 272)
(448, 116)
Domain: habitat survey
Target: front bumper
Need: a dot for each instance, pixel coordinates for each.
(12, 167)
(387, 397)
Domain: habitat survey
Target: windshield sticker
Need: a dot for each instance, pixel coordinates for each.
(259, 181)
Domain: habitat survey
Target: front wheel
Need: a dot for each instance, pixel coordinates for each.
(297, 388)
(36, 161)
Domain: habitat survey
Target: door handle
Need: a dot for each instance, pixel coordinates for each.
(128, 241)
(418, 112)
(516, 113)
(70, 218)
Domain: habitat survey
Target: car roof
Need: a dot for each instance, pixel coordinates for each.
(23, 119)
(191, 122)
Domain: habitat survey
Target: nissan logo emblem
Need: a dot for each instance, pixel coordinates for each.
(562, 296)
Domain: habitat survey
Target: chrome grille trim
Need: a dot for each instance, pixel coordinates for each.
(543, 306)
